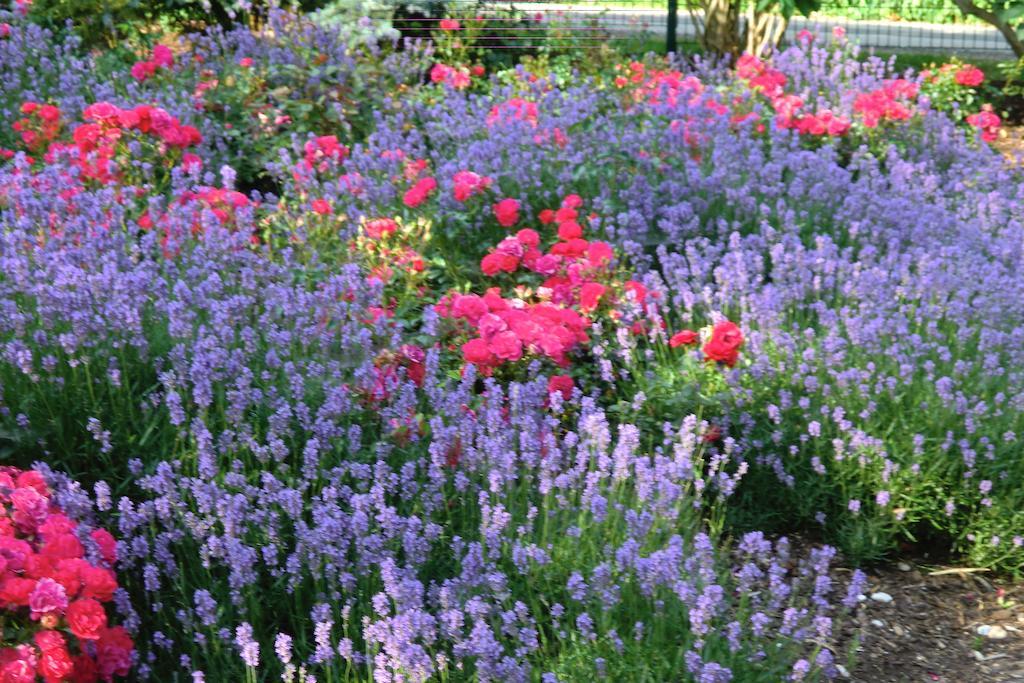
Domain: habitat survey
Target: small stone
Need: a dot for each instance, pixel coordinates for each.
(984, 630)
(977, 655)
(903, 566)
(996, 633)
(877, 622)
(898, 630)
(842, 671)
(881, 597)
(861, 597)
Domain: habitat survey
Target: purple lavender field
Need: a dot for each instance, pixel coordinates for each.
(393, 362)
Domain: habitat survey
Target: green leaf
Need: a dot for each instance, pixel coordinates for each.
(805, 7)
(1012, 13)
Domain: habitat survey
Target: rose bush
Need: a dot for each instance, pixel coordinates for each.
(491, 380)
(55, 581)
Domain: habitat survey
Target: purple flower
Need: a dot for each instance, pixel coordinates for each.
(248, 648)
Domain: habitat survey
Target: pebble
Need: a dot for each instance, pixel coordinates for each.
(877, 622)
(842, 671)
(988, 658)
(992, 632)
(903, 566)
(881, 597)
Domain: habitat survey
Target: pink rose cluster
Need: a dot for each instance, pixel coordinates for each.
(323, 151)
(466, 184)
(97, 142)
(506, 330)
(657, 86)
(891, 102)
(549, 321)
(986, 121)
(570, 265)
(161, 58)
(969, 76)
(514, 109)
(457, 77)
(771, 83)
(53, 592)
(221, 202)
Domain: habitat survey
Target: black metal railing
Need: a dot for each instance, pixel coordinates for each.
(923, 26)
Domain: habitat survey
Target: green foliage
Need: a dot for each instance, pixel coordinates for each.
(1013, 75)
(108, 22)
(787, 8)
(932, 11)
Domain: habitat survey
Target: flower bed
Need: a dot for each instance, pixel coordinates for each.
(506, 379)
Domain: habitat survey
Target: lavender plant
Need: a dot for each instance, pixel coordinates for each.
(309, 480)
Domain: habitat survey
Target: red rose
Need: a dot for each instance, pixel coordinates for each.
(683, 338)
(573, 248)
(546, 216)
(63, 546)
(98, 583)
(590, 295)
(638, 289)
(49, 640)
(599, 254)
(528, 237)
(15, 591)
(563, 384)
(85, 670)
(86, 618)
(476, 351)
(418, 193)
(469, 306)
(162, 56)
(380, 227)
(969, 76)
(492, 298)
(68, 577)
(49, 113)
(506, 345)
(507, 212)
(55, 664)
(18, 671)
(37, 566)
(496, 262)
(724, 345)
(322, 207)
(569, 230)
(107, 544)
(114, 652)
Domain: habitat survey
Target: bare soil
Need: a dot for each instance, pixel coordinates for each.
(1011, 144)
(930, 630)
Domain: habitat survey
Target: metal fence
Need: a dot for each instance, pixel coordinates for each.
(922, 26)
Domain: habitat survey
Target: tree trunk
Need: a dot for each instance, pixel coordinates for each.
(722, 30)
(764, 31)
